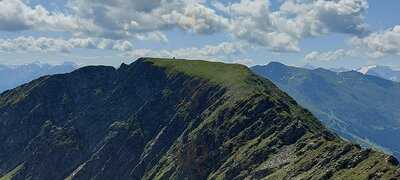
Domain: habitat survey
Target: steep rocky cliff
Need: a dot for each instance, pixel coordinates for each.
(170, 119)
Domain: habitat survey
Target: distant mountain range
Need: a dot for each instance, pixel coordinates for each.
(360, 107)
(312, 67)
(339, 69)
(171, 119)
(384, 72)
(12, 76)
(381, 71)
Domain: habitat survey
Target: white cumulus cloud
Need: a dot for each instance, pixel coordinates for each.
(44, 44)
(121, 19)
(253, 21)
(380, 44)
(329, 55)
(16, 15)
(283, 29)
(209, 52)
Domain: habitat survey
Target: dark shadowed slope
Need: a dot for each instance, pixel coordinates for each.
(177, 119)
(360, 107)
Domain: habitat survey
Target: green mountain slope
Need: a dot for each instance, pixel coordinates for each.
(170, 119)
(360, 107)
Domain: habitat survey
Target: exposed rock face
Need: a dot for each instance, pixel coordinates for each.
(170, 119)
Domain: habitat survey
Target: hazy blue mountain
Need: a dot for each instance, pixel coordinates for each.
(313, 67)
(309, 66)
(385, 72)
(360, 107)
(12, 76)
(340, 69)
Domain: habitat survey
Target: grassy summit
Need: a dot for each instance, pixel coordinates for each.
(236, 78)
(231, 75)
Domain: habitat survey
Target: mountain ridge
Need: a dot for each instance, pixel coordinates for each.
(168, 121)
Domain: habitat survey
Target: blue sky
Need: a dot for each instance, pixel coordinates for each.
(334, 33)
